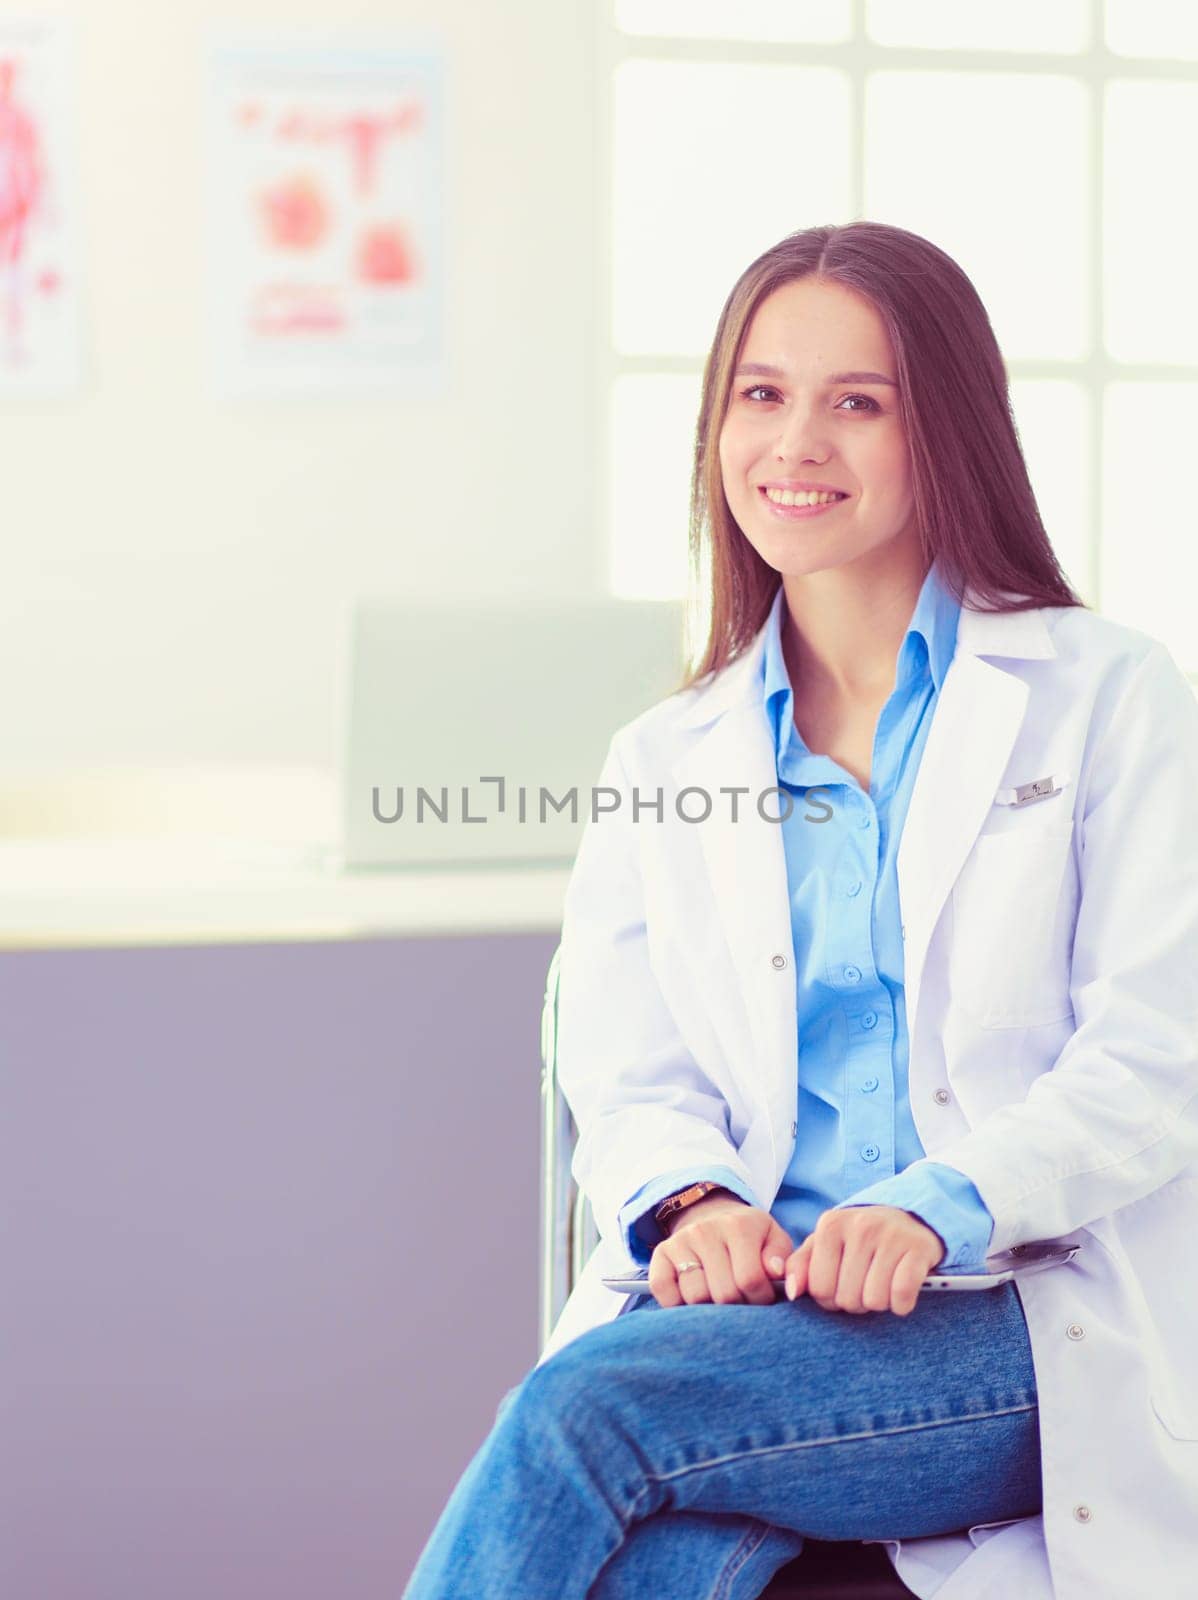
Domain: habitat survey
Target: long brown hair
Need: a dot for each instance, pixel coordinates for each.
(976, 512)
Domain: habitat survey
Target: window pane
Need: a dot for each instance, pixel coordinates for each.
(943, 147)
(709, 171)
(1149, 281)
(653, 421)
(1149, 556)
(826, 23)
(949, 25)
(1161, 28)
(1054, 429)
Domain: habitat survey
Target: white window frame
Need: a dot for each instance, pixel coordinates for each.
(1093, 67)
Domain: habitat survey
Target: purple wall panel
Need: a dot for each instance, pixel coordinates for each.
(252, 1326)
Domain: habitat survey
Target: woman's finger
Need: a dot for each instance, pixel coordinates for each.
(856, 1263)
(823, 1270)
(712, 1279)
(904, 1286)
(672, 1286)
(692, 1284)
(663, 1279)
(749, 1271)
(877, 1289)
(796, 1270)
(776, 1250)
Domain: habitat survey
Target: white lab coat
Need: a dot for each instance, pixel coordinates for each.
(1051, 956)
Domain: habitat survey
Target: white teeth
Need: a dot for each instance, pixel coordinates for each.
(785, 497)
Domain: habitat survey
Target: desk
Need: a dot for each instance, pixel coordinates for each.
(269, 1191)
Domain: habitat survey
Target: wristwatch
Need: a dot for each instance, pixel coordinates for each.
(684, 1198)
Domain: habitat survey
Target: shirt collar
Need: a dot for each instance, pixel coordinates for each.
(933, 622)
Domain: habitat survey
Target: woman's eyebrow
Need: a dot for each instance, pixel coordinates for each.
(759, 369)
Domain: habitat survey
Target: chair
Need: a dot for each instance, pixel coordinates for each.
(826, 1569)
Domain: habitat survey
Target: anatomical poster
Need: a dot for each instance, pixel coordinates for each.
(39, 254)
(325, 219)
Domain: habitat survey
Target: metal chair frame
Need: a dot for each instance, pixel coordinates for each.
(568, 1232)
(827, 1569)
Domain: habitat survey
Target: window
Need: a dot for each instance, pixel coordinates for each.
(1024, 139)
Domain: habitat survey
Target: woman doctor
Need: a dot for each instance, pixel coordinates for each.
(901, 1010)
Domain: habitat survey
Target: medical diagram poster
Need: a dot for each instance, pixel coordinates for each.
(39, 253)
(325, 223)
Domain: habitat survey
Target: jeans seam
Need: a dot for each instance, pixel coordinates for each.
(754, 1538)
(838, 1438)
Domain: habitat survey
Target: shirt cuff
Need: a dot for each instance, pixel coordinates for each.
(945, 1200)
(637, 1228)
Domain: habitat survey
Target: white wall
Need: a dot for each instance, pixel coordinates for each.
(178, 566)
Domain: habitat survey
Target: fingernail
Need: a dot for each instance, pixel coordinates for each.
(790, 1288)
(775, 1264)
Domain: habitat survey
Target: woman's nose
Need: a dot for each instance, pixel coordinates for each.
(803, 438)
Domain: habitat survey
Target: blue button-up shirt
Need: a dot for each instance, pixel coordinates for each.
(855, 1134)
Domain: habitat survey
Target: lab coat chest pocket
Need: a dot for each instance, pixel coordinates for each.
(1014, 909)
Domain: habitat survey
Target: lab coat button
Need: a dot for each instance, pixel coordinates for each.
(794, 1128)
(942, 1097)
(903, 930)
(779, 961)
(1076, 1331)
(1082, 1513)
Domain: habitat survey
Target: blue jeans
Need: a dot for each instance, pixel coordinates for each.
(685, 1452)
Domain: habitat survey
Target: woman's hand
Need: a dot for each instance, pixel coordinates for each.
(865, 1258)
(739, 1249)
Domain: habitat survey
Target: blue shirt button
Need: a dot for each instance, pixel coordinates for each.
(869, 1086)
(853, 974)
(865, 820)
(870, 1152)
(869, 1020)
(855, 887)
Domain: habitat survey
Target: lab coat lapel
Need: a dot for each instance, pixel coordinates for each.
(746, 868)
(978, 716)
(976, 722)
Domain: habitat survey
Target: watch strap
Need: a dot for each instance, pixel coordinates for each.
(683, 1198)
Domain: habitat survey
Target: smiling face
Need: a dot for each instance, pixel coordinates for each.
(826, 413)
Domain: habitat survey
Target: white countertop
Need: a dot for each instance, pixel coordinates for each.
(235, 854)
(60, 893)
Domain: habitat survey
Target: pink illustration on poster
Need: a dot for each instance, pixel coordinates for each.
(38, 258)
(325, 219)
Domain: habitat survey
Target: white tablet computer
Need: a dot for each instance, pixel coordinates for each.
(1000, 1268)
